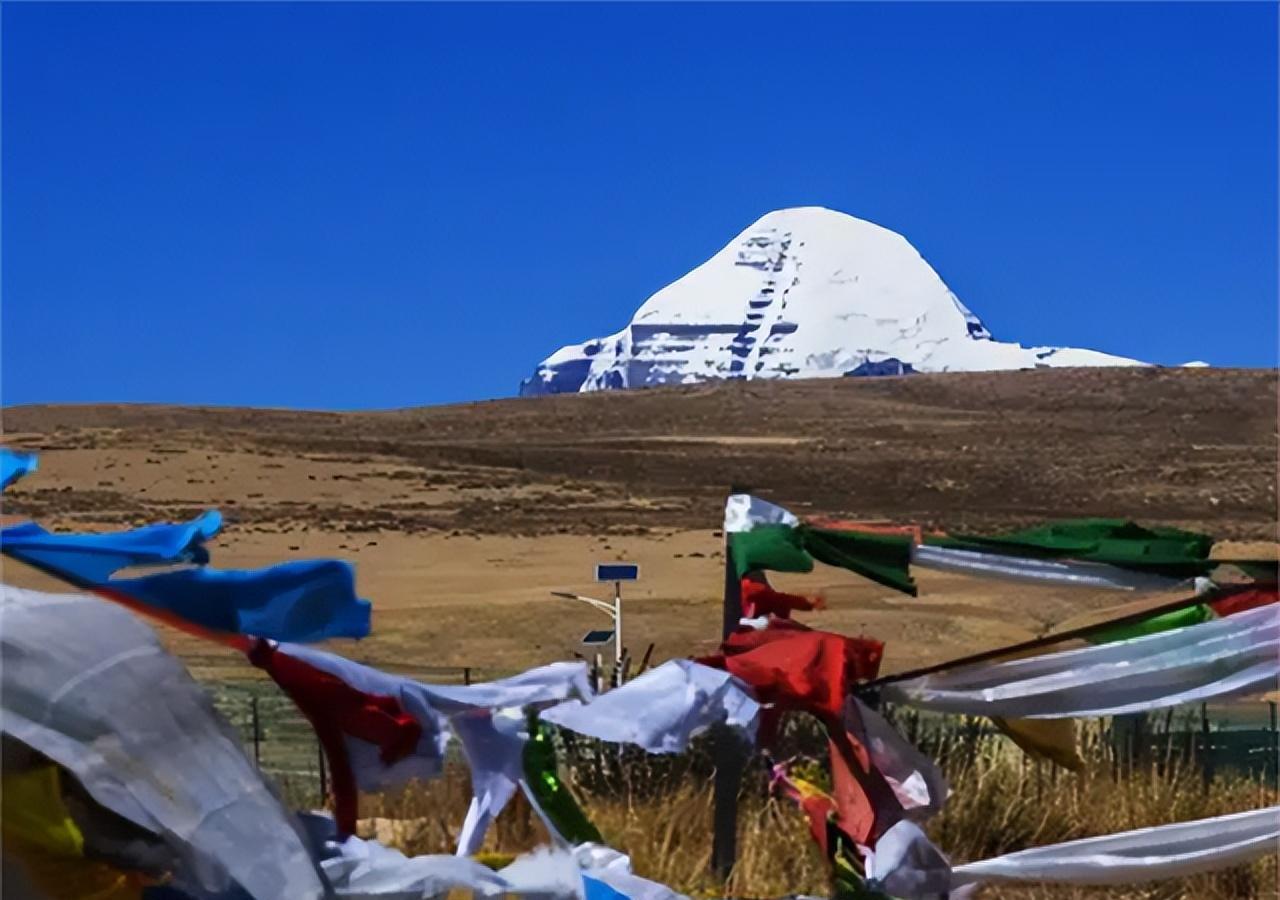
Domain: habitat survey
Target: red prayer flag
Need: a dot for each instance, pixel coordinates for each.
(797, 668)
(759, 599)
(1242, 599)
(337, 711)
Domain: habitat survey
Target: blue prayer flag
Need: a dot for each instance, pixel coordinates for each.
(87, 559)
(14, 464)
(595, 889)
(299, 602)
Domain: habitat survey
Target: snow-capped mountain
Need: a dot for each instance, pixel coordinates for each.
(802, 293)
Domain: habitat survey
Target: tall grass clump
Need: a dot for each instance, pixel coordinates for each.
(659, 811)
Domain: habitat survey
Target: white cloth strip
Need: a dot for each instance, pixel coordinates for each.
(614, 869)
(444, 709)
(366, 870)
(88, 685)
(1072, 573)
(743, 512)
(485, 717)
(1147, 854)
(663, 709)
(915, 779)
(1215, 659)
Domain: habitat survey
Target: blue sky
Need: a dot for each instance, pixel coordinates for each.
(343, 206)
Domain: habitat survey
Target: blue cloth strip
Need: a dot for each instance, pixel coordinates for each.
(14, 464)
(87, 559)
(300, 602)
(595, 889)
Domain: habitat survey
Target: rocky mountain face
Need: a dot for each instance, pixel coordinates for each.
(802, 293)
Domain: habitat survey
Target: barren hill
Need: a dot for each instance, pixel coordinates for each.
(460, 518)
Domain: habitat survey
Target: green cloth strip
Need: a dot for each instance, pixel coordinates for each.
(1179, 618)
(885, 559)
(1117, 542)
(551, 794)
(773, 548)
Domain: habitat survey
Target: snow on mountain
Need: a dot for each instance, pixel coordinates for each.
(802, 293)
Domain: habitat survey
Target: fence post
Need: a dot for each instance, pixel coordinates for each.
(1273, 749)
(729, 756)
(644, 662)
(324, 783)
(1206, 745)
(257, 733)
(466, 675)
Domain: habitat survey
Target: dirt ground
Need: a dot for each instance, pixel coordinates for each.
(462, 519)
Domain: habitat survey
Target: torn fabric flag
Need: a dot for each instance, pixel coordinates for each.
(380, 730)
(1129, 857)
(604, 864)
(799, 667)
(905, 864)
(1056, 739)
(85, 560)
(88, 686)
(549, 794)
(782, 548)
(1065, 572)
(916, 780)
(663, 709)
(796, 668)
(494, 743)
(1219, 602)
(301, 602)
(43, 839)
(1095, 553)
(1172, 552)
(356, 869)
(15, 464)
(765, 537)
(1225, 657)
(509, 750)
(759, 599)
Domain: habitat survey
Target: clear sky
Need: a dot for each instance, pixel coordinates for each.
(330, 205)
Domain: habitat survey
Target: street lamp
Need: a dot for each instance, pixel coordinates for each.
(613, 611)
(617, 573)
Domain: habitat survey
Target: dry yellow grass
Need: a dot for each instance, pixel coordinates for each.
(1001, 802)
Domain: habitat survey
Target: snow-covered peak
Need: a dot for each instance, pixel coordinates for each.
(804, 292)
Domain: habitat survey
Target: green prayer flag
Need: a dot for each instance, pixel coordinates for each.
(1117, 542)
(552, 795)
(774, 548)
(884, 558)
(1179, 618)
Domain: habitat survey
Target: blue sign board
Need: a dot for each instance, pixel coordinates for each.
(594, 638)
(617, 572)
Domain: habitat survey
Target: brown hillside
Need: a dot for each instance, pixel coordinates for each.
(462, 517)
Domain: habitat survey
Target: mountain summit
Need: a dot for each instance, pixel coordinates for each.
(802, 293)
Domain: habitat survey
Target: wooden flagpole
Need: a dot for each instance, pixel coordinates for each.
(1048, 640)
(729, 756)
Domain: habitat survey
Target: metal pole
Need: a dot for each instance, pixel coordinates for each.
(257, 733)
(1273, 749)
(324, 783)
(617, 630)
(1206, 760)
(728, 749)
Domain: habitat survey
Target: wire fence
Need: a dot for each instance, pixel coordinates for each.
(1233, 739)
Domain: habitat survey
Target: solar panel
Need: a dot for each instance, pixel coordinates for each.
(617, 572)
(594, 638)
